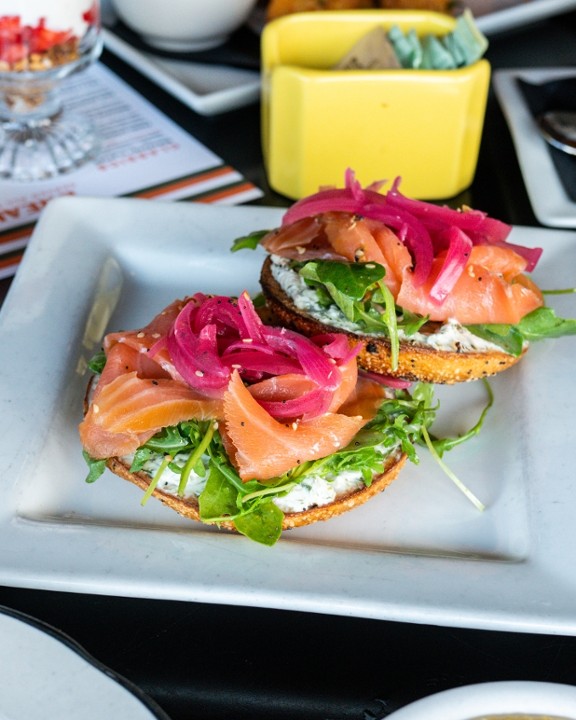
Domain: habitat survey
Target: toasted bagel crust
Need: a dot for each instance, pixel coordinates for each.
(415, 362)
(189, 508)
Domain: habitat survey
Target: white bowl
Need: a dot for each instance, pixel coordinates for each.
(503, 700)
(184, 25)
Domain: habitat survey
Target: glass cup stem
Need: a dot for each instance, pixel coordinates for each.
(41, 45)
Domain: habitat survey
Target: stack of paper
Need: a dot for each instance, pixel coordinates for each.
(142, 153)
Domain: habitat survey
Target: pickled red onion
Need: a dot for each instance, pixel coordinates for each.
(307, 406)
(213, 336)
(421, 226)
(531, 255)
(459, 246)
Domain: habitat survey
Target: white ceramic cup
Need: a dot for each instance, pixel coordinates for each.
(184, 25)
(513, 700)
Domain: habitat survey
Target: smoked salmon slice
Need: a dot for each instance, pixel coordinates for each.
(365, 399)
(303, 240)
(352, 237)
(156, 328)
(278, 393)
(120, 360)
(397, 259)
(152, 357)
(266, 448)
(490, 290)
(129, 410)
(335, 235)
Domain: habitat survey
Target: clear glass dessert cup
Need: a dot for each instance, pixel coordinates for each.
(41, 45)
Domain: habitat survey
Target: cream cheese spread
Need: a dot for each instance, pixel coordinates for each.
(169, 480)
(313, 491)
(451, 336)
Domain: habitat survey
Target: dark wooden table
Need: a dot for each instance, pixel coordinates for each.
(209, 661)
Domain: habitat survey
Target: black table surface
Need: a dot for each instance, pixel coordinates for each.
(207, 661)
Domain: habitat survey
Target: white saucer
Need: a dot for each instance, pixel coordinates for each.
(511, 699)
(45, 674)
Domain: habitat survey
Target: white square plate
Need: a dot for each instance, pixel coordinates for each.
(43, 668)
(419, 552)
(550, 202)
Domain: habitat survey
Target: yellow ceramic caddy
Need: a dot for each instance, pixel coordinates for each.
(422, 125)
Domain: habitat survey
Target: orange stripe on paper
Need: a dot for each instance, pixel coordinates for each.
(11, 259)
(223, 193)
(187, 181)
(16, 234)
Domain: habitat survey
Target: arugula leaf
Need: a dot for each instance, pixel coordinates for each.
(345, 284)
(141, 457)
(540, 324)
(442, 445)
(166, 460)
(559, 291)
(355, 288)
(95, 467)
(259, 301)
(194, 462)
(221, 501)
(97, 362)
(508, 337)
(218, 499)
(455, 479)
(351, 280)
(173, 439)
(250, 241)
(411, 322)
(543, 323)
(391, 323)
(263, 524)
(438, 447)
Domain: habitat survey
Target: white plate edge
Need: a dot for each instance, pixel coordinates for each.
(35, 637)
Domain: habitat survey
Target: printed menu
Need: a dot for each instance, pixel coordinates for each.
(141, 153)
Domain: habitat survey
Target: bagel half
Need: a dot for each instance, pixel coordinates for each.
(416, 362)
(189, 507)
